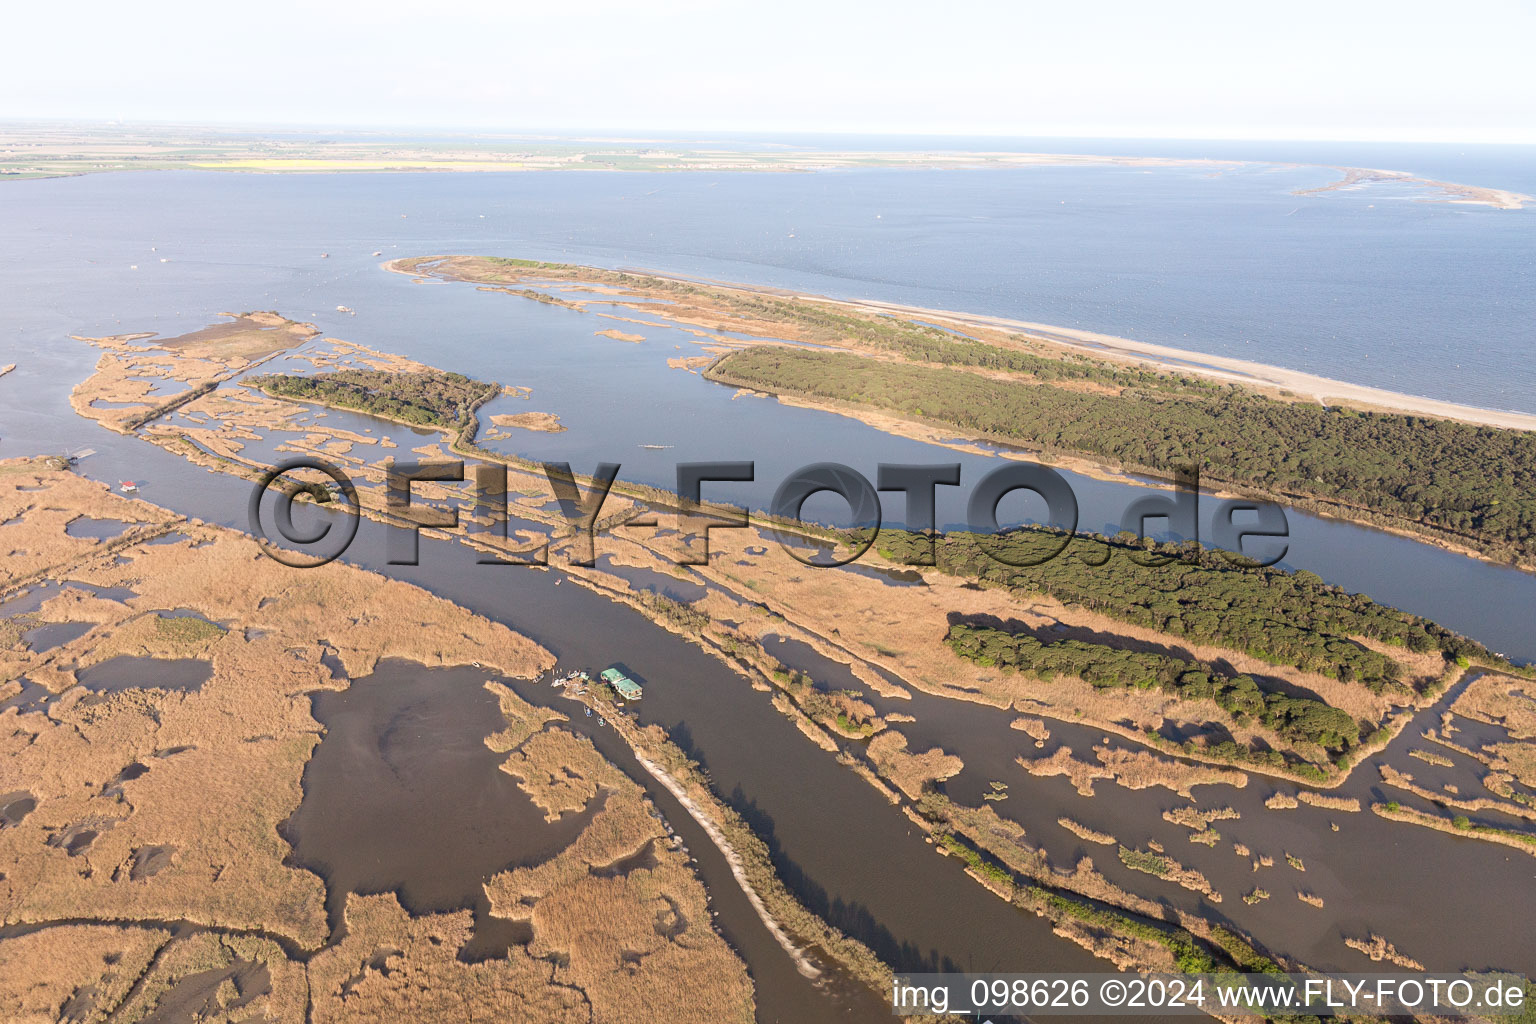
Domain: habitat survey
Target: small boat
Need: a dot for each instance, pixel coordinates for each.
(325, 255)
(128, 487)
(344, 309)
(601, 720)
(656, 447)
(589, 712)
(378, 253)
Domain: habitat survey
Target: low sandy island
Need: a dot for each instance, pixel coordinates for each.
(1474, 195)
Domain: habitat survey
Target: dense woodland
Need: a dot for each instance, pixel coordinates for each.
(434, 399)
(1280, 617)
(1299, 719)
(1476, 483)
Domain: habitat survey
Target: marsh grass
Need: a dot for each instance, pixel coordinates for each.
(1161, 865)
(1087, 834)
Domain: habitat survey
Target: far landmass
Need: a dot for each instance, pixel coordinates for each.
(51, 150)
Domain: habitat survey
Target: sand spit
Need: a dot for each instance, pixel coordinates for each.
(738, 870)
(1451, 192)
(546, 422)
(1261, 376)
(1324, 390)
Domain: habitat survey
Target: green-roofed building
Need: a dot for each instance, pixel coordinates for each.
(622, 685)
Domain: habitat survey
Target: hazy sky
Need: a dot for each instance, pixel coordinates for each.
(1403, 70)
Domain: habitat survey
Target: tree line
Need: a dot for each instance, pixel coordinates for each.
(1298, 719)
(435, 398)
(1284, 618)
(1475, 483)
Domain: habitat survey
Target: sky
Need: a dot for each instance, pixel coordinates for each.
(1402, 71)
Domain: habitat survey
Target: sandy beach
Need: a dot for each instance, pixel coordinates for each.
(1324, 390)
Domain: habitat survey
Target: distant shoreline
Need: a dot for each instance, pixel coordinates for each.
(40, 151)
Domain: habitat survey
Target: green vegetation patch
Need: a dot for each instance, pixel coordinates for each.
(1283, 618)
(1299, 719)
(187, 629)
(1146, 861)
(436, 398)
(1474, 482)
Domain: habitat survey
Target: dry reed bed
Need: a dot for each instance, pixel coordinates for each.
(1402, 780)
(1131, 769)
(196, 360)
(1382, 951)
(219, 767)
(1502, 700)
(1525, 842)
(1087, 834)
(638, 943)
(46, 968)
(223, 769)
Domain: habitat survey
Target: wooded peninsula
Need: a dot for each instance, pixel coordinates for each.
(1468, 485)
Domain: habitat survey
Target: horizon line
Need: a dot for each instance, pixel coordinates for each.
(707, 133)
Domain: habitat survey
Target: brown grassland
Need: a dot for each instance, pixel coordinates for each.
(152, 805)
